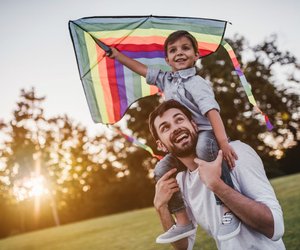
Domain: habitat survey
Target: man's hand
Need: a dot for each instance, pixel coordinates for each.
(210, 172)
(164, 189)
(229, 154)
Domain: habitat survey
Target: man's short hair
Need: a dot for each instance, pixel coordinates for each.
(161, 109)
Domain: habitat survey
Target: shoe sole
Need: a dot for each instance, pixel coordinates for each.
(178, 237)
(231, 235)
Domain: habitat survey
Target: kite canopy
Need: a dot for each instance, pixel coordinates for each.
(110, 88)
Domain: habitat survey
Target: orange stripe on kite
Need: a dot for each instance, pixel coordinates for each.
(102, 67)
(153, 89)
(208, 46)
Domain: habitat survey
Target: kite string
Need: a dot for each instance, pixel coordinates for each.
(245, 84)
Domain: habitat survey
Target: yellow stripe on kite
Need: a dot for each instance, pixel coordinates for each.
(98, 90)
(144, 33)
(145, 87)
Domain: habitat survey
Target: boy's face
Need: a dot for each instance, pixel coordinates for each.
(181, 54)
(177, 134)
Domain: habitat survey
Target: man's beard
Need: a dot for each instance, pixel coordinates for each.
(186, 149)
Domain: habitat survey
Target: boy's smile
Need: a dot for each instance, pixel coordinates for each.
(181, 54)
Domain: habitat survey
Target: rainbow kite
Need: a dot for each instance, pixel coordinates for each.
(110, 87)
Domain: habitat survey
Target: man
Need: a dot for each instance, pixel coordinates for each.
(254, 201)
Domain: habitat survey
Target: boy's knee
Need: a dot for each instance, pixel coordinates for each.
(207, 148)
(163, 166)
(167, 163)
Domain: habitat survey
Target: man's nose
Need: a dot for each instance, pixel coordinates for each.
(174, 128)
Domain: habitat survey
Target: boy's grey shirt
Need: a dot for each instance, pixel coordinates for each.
(189, 89)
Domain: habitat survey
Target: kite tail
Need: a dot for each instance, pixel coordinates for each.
(136, 142)
(245, 84)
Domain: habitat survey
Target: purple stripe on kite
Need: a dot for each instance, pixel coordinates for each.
(130, 139)
(239, 71)
(145, 54)
(121, 86)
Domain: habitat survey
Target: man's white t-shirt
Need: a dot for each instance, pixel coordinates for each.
(249, 178)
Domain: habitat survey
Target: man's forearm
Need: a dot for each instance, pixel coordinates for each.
(252, 213)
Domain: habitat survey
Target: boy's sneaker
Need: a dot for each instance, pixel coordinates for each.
(229, 227)
(176, 233)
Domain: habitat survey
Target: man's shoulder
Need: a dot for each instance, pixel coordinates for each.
(249, 162)
(241, 147)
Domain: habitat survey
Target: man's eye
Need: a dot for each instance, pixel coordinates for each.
(179, 119)
(164, 129)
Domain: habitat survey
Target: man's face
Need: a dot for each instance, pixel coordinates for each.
(177, 134)
(181, 54)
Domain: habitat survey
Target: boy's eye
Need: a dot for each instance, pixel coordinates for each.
(186, 48)
(171, 50)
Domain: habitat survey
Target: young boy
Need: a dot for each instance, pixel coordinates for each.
(185, 86)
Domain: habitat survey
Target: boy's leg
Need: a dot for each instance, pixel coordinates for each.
(176, 206)
(207, 149)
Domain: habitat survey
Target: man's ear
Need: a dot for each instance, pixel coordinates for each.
(161, 146)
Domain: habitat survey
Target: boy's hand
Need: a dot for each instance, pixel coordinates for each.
(113, 54)
(229, 154)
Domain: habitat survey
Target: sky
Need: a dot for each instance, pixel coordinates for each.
(36, 49)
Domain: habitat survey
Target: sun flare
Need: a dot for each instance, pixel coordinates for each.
(30, 188)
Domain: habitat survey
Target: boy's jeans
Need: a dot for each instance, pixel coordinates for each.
(207, 149)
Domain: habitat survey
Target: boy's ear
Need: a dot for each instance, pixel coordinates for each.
(161, 146)
(167, 60)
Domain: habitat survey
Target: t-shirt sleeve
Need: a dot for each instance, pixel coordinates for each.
(203, 95)
(156, 77)
(250, 179)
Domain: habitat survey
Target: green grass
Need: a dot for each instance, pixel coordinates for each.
(137, 229)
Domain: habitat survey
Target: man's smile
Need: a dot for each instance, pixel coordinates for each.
(179, 136)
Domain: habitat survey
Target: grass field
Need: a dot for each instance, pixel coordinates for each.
(136, 230)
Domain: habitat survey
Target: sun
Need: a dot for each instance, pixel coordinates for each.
(31, 187)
